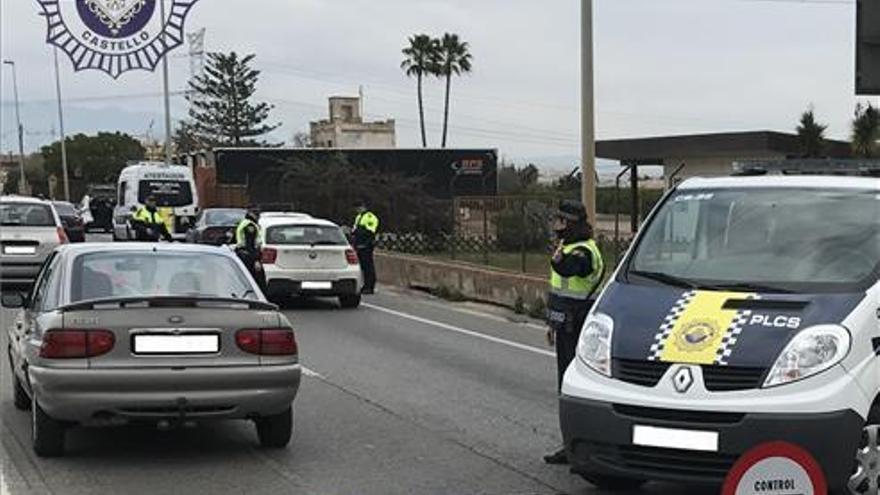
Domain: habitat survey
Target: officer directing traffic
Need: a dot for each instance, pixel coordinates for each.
(149, 223)
(576, 272)
(366, 226)
(249, 243)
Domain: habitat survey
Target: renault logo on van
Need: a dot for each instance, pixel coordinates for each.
(683, 379)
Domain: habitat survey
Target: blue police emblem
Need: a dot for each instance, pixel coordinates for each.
(115, 36)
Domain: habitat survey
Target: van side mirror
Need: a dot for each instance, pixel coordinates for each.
(13, 300)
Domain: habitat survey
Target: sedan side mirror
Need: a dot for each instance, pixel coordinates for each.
(13, 300)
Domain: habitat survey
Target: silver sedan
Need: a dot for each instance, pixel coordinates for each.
(166, 334)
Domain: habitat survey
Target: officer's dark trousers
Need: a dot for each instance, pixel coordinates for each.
(368, 268)
(567, 335)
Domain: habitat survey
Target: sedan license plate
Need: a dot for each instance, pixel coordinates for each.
(19, 250)
(317, 285)
(668, 438)
(176, 344)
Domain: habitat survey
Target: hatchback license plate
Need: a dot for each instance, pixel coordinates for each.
(176, 344)
(19, 250)
(317, 285)
(668, 438)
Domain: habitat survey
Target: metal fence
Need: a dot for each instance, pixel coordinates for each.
(506, 232)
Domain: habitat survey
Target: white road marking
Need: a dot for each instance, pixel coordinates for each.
(463, 331)
(312, 373)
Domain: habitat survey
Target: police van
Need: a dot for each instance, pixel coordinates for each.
(746, 311)
(173, 187)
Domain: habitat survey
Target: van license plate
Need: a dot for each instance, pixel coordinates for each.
(176, 344)
(317, 285)
(668, 438)
(19, 250)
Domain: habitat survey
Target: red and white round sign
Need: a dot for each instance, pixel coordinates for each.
(777, 468)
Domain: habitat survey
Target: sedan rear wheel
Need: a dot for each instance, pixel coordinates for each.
(275, 431)
(48, 433)
(20, 398)
(866, 479)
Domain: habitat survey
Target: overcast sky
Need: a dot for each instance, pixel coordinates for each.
(662, 67)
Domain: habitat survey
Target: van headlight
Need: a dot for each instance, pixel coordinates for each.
(811, 352)
(594, 346)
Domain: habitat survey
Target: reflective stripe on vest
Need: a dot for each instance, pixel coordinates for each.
(145, 215)
(239, 232)
(579, 287)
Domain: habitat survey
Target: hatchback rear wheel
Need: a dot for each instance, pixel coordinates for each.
(276, 430)
(47, 433)
(350, 302)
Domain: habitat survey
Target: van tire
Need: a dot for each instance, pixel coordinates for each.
(275, 431)
(613, 483)
(48, 434)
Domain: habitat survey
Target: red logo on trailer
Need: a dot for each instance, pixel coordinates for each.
(777, 468)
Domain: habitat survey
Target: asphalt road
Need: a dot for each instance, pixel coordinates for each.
(407, 395)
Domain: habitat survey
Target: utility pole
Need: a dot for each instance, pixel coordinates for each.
(22, 180)
(588, 108)
(61, 128)
(165, 90)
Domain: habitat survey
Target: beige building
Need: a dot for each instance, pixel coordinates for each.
(346, 128)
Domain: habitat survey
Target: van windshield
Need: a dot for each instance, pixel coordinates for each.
(171, 193)
(767, 240)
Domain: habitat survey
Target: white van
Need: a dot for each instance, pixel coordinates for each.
(747, 311)
(174, 189)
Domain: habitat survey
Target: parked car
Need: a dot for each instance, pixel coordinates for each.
(215, 226)
(29, 230)
(167, 333)
(305, 256)
(74, 225)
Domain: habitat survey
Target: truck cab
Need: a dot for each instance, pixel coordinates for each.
(174, 189)
(745, 312)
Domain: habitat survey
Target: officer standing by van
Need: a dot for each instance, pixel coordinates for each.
(149, 223)
(366, 226)
(576, 272)
(249, 243)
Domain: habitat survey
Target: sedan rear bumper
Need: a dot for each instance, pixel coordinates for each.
(95, 395)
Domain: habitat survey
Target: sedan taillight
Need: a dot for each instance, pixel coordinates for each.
(76, 344)
(267, 341)
(269, 256)
(352, 257)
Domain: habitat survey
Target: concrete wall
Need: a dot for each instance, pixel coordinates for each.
(369, 135)
(472, 281)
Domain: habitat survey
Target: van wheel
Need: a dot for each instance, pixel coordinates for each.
(350, 302)
(613, 483)
(47, 433)
(866, 478)
(275, 431)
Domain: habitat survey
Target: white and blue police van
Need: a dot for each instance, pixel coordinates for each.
(746, 311)
(174, 188)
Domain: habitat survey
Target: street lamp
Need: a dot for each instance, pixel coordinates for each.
(588, 107)
(61, 127)
(22, 184)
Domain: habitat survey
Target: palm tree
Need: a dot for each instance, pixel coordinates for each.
(454, 59)
(420, 61)
(865, 131)
(811, 135)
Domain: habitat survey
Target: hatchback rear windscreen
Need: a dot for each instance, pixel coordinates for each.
(306, 235)
(26, 215)
(171, 193)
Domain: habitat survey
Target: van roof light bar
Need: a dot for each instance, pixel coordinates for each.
(857, 168)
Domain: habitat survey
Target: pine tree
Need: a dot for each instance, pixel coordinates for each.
(222, 110)
(811, 135)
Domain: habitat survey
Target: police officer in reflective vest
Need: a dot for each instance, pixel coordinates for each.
(149, 223)
(576, 272)
(366, 225)
(249, 243)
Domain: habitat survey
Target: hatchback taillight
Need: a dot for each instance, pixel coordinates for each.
(351, 256)
(62, 236)
(76, 344)
(267, 341)
(269, 256)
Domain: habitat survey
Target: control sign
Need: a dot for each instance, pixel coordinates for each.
(776, 469)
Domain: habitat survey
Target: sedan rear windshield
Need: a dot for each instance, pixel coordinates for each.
(26, 215)
(223, 218)
(171, 193)
(65, 209)
(150, 274)
(306, 235)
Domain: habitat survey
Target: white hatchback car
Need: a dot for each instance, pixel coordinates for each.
(305, 256)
